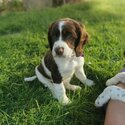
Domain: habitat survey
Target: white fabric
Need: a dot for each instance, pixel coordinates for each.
(110, 92)
(120, 77)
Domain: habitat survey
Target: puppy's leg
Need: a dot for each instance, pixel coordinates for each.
(60, 93)
(80, 74)
(46, 82)
(57, 89)
(71, 87)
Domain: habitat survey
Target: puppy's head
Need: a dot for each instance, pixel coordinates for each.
(67, 37)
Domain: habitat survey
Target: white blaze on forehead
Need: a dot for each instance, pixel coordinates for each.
(61, 24)
(60, 43)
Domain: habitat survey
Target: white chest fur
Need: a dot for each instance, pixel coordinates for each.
(67, 66)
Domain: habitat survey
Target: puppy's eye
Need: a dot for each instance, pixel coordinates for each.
(67, 34)
(56, 33)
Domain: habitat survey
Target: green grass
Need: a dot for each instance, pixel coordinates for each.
(23, 41)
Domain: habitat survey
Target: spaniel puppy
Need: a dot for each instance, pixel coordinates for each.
(66, 39)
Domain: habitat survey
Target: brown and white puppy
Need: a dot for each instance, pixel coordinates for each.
(66, 39)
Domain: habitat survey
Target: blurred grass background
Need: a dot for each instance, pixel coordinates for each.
(23, 42)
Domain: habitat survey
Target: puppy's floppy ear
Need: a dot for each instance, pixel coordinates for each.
(50, 35)
(82, 39)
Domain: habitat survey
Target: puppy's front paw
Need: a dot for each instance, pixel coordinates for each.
(89, 82)
(73, 87)
(65, 101)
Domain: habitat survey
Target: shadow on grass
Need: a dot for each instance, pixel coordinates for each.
(10, 29)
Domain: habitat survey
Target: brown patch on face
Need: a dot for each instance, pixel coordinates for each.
(83, 38)
(68, 34)
(79, 34)
(52, 27)
(70, 44)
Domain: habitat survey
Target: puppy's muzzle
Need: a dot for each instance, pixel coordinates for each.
(59, 51)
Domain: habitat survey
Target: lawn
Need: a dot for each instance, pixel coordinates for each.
(23, 42)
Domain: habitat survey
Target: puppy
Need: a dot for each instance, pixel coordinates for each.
(66, 39)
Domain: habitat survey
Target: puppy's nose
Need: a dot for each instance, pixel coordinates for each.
(59, 51)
